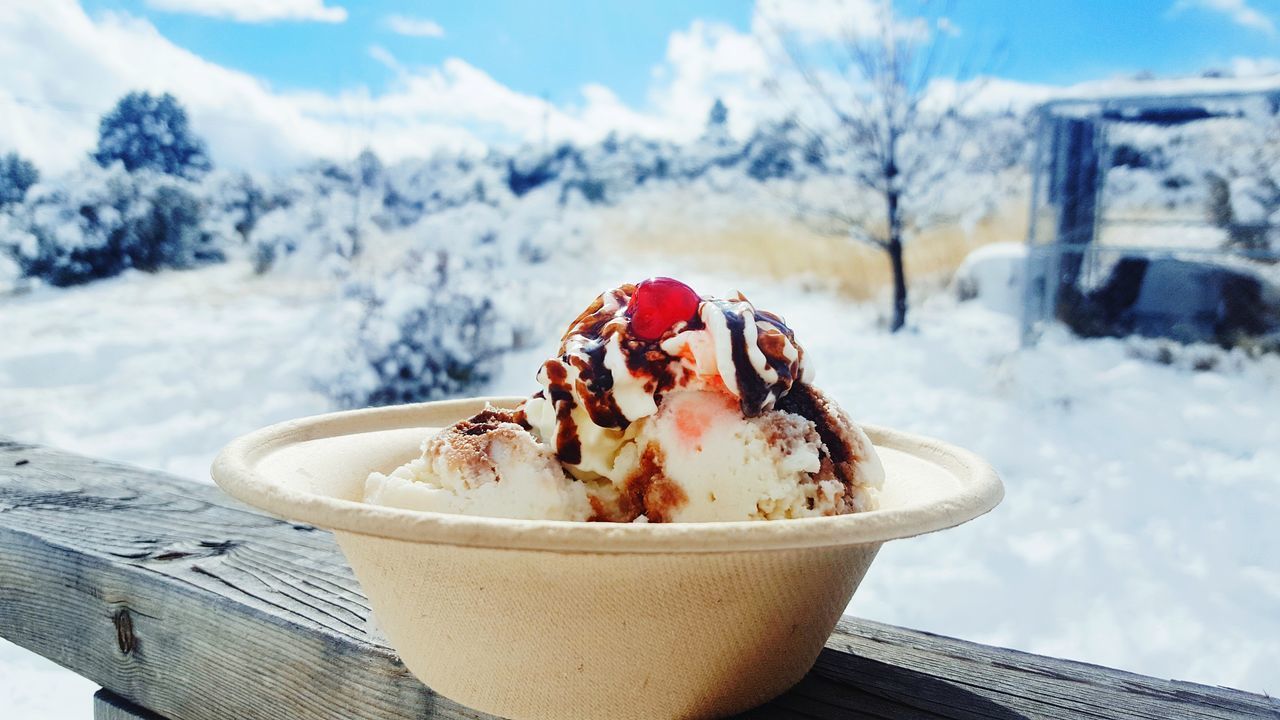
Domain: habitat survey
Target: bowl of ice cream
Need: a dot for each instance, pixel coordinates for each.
(670, 527)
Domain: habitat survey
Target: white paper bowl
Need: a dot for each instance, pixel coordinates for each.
(554, 619)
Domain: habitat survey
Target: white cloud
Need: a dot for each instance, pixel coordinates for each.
(818, 18)
(1243, 67)
(75, 67)
(1238, 11)
(947, 26)
(414, 27)
(705, 62)
(255, 11)
(385, 58)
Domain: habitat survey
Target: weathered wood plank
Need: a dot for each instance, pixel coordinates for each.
(171, 595)
(109, 706)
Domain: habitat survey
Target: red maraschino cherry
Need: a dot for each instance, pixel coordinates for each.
(659, 303)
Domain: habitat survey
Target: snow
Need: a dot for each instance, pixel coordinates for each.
(33, 687)
(993, 276)
(1129, 90)
(1138, 530)
(158, 370)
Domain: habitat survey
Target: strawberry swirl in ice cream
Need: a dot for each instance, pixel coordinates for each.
(662, 405)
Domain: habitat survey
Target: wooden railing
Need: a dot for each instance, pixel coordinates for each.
(183, 604)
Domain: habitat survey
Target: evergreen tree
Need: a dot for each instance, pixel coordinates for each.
(718, 123)
(148, 132)
(370, 168)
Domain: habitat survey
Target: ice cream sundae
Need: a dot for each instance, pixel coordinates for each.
(661, 406)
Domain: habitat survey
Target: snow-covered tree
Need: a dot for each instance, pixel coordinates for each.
(773, 151)
(369, 168)
(527, 171)
(323, 216)
(717, 131)
(233, 204)
(144, 131)
(312, 232)
(17, 175)
(874, 120)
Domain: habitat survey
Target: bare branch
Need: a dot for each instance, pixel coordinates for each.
(878, 91)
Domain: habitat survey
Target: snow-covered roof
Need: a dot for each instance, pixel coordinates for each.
(1095, 97)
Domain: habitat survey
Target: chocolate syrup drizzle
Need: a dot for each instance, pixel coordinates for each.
(754, 394)
(591, 332)
(595, 386)
(804, 400)
(568, 446)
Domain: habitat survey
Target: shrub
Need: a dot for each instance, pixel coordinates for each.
(322, 234)
(17, 175)
(101, 222)
(422, 339)
(526, 172)
(232, 204)
(166, 232)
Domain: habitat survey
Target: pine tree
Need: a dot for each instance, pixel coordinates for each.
(144, 131)
(718, 123)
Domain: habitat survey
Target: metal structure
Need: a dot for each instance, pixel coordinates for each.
(1085, 267)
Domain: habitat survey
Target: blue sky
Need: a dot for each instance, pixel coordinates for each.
(270, 83)
(552, 48)
(534, 47)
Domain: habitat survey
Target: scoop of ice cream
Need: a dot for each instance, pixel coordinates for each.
(489, 464)
(699, 459)
(637, 344)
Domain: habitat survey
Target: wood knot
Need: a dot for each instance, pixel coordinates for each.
(124, 631)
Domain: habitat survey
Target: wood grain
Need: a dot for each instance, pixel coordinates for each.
(173, 596)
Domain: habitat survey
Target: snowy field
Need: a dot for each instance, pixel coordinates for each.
(1138, 529)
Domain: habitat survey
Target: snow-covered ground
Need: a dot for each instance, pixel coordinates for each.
(157, 369)
(1138, 529)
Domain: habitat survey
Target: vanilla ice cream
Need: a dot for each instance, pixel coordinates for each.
(661, 406)
(698, 459)
(486, 465)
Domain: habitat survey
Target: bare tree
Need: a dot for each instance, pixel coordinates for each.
(885, 129)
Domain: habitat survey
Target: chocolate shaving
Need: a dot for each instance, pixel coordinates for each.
(649, 492)
(467, 442)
